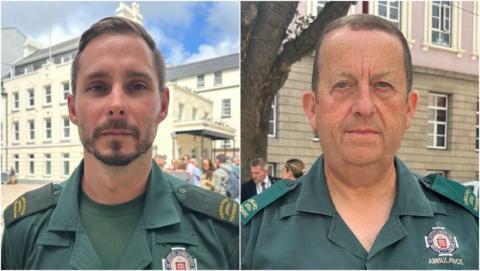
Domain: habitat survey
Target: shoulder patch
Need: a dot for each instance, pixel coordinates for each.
(453, 191)
(206, 202)
(31, 202)
(251, 206)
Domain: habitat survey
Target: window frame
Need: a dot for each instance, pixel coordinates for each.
(202, 84)
(47, 164)
(47, 129)
(31, 98)
(217, 78)
(45, 88)
(31, 130)
(226, 110)
(31, 164)
(66, 127)
(435, 122)
(273, 121)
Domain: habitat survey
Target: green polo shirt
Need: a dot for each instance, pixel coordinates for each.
(299, 228)
(180, 224)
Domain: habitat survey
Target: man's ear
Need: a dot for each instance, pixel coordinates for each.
(165, 99)
(309, 106)
(411, 106)
(72, 111)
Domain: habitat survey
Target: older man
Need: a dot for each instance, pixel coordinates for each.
(260, 179)
(360, 206)
(118, 210)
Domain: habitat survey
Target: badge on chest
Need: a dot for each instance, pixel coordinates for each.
(179, 259)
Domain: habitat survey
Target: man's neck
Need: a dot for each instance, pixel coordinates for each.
(363, 196)
(115, 184)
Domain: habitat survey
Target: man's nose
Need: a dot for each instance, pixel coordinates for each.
(117, 102)
(363, 104)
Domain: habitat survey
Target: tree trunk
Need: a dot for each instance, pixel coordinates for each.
(266, 60)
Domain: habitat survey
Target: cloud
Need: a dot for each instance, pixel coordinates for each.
(223, 21)
(206, 51)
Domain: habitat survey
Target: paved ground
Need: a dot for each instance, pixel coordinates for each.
(10, 192)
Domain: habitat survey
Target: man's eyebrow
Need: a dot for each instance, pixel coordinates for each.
(133, 73)
(97, 75)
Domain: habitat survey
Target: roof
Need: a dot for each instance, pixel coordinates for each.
(14, 29)
(43, 53)
(172, 73)
(205, 66)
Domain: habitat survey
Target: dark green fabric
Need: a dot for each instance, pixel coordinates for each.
(31, 202)
(302, 230)
(110, 227)
(55, 239)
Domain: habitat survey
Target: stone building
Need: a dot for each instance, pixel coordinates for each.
(444, 136)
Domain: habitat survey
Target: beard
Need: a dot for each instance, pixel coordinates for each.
(116, 157)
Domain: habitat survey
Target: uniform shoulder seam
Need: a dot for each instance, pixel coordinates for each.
(208, 203)
(452, 190)
(250, 207)
(32, 202)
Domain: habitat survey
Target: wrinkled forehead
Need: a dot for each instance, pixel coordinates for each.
(356, 40)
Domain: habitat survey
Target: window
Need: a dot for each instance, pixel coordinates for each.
(272, 125)
(66, 127)
(48, 95)
(441, 22)
(200, 80)
(31, 130)
(180, 111)
(66, 164)
(31, 164)
(31, 98)
(437, 120)
(16, 131)
(47, 165)
(217, 78)
(66, 91)
(226, 108)
(314, 136)
(442, 173)
(16, 163)
(48, 128)
(226, 143)
(476, 124)
(205, 115)
(320, 5)
(194, 113)
(16, 101)
(390, 10)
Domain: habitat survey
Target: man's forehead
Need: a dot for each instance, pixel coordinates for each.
(345, 34)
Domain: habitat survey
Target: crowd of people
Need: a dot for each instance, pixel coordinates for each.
(220, 176)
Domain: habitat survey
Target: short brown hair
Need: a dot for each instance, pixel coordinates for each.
(118, 25)
(364, 22)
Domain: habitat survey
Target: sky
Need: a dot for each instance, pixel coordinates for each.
(185, 31)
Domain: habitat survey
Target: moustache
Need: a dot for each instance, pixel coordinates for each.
(116, 124)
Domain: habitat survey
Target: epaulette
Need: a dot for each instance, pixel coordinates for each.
(206, 202)
(31, 202)
(251, 206)
(452, 190)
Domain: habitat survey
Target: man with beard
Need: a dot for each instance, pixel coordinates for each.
(118, 210)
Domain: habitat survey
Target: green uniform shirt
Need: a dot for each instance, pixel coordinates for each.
(180, 225)
(294, 225)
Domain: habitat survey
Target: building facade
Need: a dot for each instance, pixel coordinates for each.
(443, 139)
(41, 144)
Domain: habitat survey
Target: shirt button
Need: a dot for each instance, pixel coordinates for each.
(56, 192)
(182, 190)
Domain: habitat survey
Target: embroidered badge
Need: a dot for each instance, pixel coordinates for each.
(179, 259)
(443, 242)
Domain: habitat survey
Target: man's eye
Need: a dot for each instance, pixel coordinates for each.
(341, 85)
(382, 85)
(138, 87)
(97, 88)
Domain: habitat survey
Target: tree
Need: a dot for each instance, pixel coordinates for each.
(268, 51)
